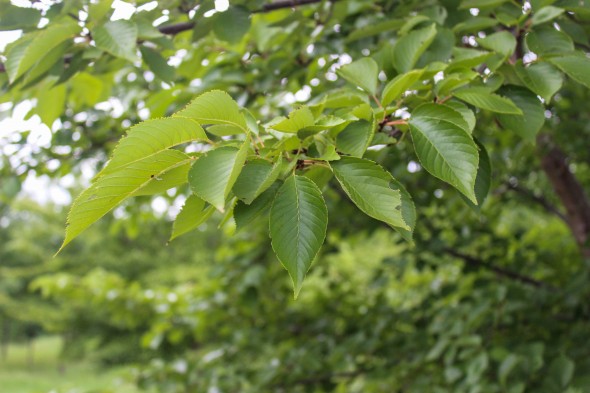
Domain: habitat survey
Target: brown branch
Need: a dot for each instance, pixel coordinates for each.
(177, 28)
(569, 190)
(542, 201)
(277, 5)
(476, 262)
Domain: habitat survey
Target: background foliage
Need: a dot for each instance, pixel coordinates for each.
(490, 294)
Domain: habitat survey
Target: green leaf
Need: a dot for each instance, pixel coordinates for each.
(466, 4)
(576, 67)
(109, 191)
(467, 113)
(50, 104)
(530, 122)
(215, 107)
(17, 18)
(157, 64)
(245, 214)
(546, 40)
(29, 50)
(213, 175)
(439, 111)
(396, 87)
(173, 178)
(98, 11)
(506, 367)
(483, 179)
(467, 58)
(542, 78)
(546, 14)
(481, 97)
(192, 214)
(298, 119)
(409, 48)
(561, 370)
(151, 137)
(501, 42)
(46, 63)
(369, 187)
(362, 73)
(328, 153)
(374, 29)
(355, 138)
(117, 38)
(256, 176)
(474, 25)
(407, 208)
(445, 149)
(232, 25)
(298, 222)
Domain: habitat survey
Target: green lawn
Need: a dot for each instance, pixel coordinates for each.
(18, 376)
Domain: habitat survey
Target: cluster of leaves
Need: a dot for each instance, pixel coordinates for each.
(420, 323)
(243, 168)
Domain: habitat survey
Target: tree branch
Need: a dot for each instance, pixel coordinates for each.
(569, 190)
(177, 28)
(185, 26)
(473, 261)
(277, 5)
(542, 201)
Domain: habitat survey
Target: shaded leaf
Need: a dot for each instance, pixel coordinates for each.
(256, 176)
(362, 73)
(355, 138)
(481, 97)
(576, 67)
(298, 222)
(244, 214)
(532, 119)
(157, 64)
(541, 77)
(409, 48)
(29, 50)
(16, 18)
(396, 87)
(213, 175)
(193, 213)
(368, 185)
(546, 14)
(501, 42)
(547, 40)
(117, 38)
(445, 149)
(232, 24)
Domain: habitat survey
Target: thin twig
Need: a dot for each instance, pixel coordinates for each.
(473, 261)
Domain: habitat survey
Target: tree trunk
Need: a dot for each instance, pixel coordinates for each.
(569, 191)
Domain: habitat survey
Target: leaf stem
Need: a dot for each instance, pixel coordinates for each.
(396, 122)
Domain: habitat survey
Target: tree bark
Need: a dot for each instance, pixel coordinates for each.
(569, 191)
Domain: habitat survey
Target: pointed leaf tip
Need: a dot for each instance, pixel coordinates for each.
(298, 224)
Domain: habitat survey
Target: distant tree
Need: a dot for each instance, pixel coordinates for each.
(461, 124)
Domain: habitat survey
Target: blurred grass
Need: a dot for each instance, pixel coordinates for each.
(44, 375)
